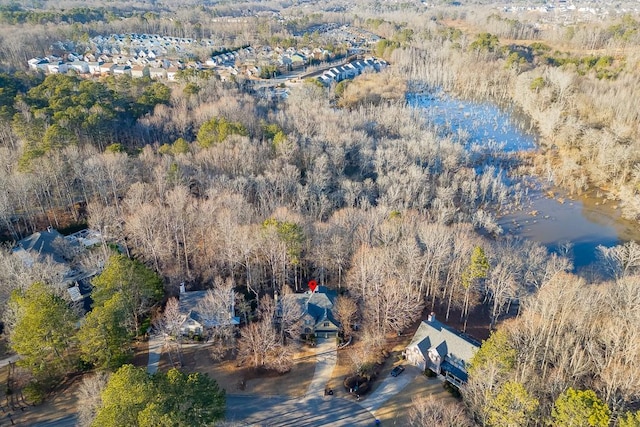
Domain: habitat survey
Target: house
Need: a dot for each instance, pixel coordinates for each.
(38, 64)
(441, 349)
(318, 318)
(39, 246)
(60, 250)
(57, 67)
(298, 58)
(194, 321)
(139, 71)
(121, 70)
(171, 73)
(81, 67)
(157, 73)
(107, 67)
(94, 67)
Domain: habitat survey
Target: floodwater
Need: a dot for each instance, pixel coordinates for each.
(549, 216)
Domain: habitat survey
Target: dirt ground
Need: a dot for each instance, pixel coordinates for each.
(243, 380)
(396, 410)
(60, 403)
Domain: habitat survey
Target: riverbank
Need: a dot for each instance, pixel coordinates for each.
(574, 225)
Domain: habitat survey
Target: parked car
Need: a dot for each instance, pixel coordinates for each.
(397, 370)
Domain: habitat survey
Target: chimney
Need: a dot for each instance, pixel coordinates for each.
(182, 288)
(432, 317)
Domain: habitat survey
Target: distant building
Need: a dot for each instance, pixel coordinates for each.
(139, 71)
(157, 73)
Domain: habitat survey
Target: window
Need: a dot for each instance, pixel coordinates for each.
(326, 324)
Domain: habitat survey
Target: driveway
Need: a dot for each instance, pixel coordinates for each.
(10, 359)
(314, 409)
(390, 387)
(326, 358)
(156, 342)
(66, 421)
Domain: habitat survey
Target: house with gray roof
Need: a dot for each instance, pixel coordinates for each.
(194, 322)
(49, 245)
(317, 307)
(442, 349)
(40, 245)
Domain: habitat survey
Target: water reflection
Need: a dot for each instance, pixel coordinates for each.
(557, 222)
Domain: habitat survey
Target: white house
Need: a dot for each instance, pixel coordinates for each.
(139, 71)
(121, 70)
(441, 349)
(157, 73)
(81, 67)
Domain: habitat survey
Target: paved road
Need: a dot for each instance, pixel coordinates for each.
(326, 358)
(390, 387)
(310, 412)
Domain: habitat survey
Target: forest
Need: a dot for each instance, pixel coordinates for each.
(201, 182)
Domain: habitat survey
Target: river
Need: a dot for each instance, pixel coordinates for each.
(578, 224)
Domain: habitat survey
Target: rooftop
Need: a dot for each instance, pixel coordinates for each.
(447, 341)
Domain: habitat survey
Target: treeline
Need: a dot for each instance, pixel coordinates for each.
(66, 110)
(568, 358)
(368, 201)
(42, 327)
(14, 14)
(53, 342)
(397, 162)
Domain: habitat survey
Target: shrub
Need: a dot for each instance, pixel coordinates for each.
(34, 392)
(453, 390)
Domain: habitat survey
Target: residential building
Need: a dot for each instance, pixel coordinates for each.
(317, 307)
(139, 71)
(194, 322)
(441, 349)
(157, 73)
(51, 246)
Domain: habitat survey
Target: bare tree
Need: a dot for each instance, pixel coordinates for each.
(260, 344)
(217, 312)
(289, 315)
(622, 260)
(429, 411)
(346, 311)
(168, 325)
(367, 351)
(89, 397)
